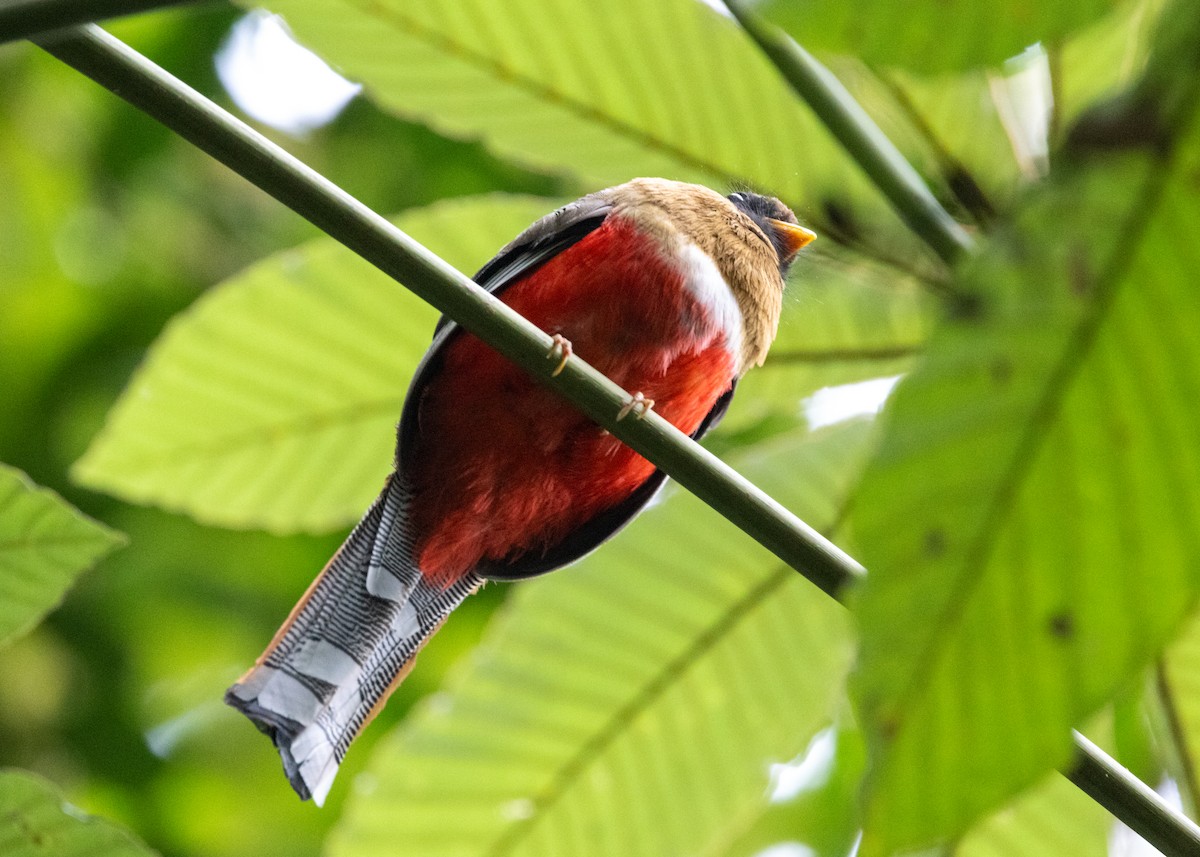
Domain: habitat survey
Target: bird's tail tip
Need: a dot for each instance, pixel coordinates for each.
(284, 733)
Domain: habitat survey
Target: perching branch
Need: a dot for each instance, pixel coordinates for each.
(123, 71)
(859, 136)
(1141, 808)
(20, 19)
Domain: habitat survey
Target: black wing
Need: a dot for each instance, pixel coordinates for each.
(533, 248)
(538, 244)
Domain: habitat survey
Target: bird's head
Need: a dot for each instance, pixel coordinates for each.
(751, 239)
(777, 223)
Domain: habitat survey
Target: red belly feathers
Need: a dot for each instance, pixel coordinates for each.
(504, 467)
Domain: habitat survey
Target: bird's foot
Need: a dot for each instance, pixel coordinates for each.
(561, 351)
(638, 405)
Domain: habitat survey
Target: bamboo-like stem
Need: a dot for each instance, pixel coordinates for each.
(859, 136)
(123, 71)
(20, 19)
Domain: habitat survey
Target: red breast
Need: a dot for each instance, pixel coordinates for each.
(504, 466)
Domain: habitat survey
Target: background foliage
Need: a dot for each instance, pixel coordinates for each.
(221, 384)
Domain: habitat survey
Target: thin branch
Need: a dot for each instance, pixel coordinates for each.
(834, 225)
(146, 86)
(842, 355)
(1178, 748)
(21, 19)
(1141, 808)
(962, 183)
(1054, 65)
(859, 136)
(120, 69)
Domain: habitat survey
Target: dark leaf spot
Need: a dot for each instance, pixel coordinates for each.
(1001, 370)
(935, 543)
(965, 306)
(1062, 625)
(888, 727)
(1079, 273)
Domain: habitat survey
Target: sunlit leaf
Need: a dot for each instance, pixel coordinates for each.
(273, 401)
(632, 704)
(35, 821)
(1029, 522)
(812, 802)
(1053, 818)
(44, 545)
(955, 110)
(932, 35)
(605, 91)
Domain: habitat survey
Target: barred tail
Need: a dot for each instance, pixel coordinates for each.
(345, 647)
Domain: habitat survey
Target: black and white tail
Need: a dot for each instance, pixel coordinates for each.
(345, 647)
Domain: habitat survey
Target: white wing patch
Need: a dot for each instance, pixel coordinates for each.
(703, 280)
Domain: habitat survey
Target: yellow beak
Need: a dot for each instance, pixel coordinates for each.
(794, 237)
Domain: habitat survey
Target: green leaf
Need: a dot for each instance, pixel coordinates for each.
(605, 91)
(956, 110)
(844, 320)
(1180, 684)
(812, 807)
(272, 402)
(933, 35)
(631, 704)
(1105, 57)
(1029, 522)
(1054, 817)
(35, 821)
(44, 545)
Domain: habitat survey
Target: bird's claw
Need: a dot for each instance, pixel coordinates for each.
(560, 350)
(638, 405)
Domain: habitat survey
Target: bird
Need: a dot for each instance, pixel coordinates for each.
(671, 290)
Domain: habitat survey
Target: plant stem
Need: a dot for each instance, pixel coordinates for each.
(20, 19)
(135, 79)
(843, 355)
(860, 137)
